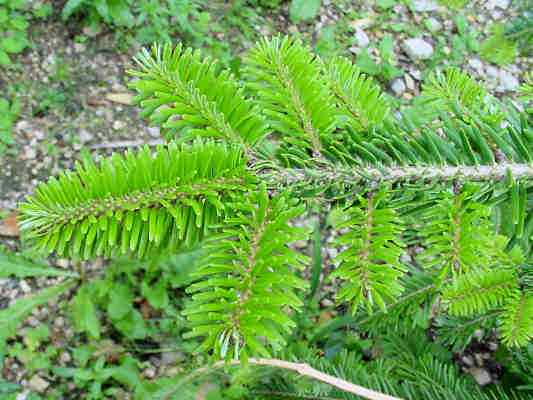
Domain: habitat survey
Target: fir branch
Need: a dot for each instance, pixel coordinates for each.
(187, 93)
(479, 291)
(370, 266)
(290, 90)
(517, 320)
(136, 203)
(358, 97)
(247, 285)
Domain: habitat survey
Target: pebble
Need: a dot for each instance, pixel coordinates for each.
(492, 72)
(65, 357)
(154, 131)
(418, 49)
(409, 82)
(508, 81)
(416, 74)
(149, 373)
(30, 153)
(424, 5)
(468, 361)
(59, 322)
(171, 357)
(481, 376)
(476, 64)
(24, 286)
(398, 86)
(501, 4)
(38, 384)
(362, 38)
(117, 125)
(85, 136)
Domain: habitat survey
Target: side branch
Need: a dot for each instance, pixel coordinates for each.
(300, 368)
(354, 175)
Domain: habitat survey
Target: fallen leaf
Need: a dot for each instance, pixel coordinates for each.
(121, 98)
(9, 226)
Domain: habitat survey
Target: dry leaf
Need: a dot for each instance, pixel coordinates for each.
(121, 98)
(9, 226)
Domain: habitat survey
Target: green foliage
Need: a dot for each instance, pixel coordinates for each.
(246, 282)
(304, 10)
(479, 291)
(179, 82)
(370, 265)
(13, 23)
(451, 88)
(136, 203)
(458, 236)
(9, 112)
(358, 98)
(386, 69)
(20, 267)
(14, 315)
(517, 320)
(292, 93)
(455, 4)
(497, 48)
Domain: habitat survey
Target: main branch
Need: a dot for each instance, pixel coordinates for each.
(354, 175)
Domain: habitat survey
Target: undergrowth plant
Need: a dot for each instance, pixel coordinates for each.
(431, 206)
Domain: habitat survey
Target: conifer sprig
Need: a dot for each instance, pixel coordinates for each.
(188, 95)
(370, 267)
(138, 202)
(246, 285)
(292, 94)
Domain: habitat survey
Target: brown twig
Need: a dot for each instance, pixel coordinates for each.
(300, 368)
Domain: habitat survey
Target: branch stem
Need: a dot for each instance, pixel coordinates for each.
(354, 175)
(300, 368)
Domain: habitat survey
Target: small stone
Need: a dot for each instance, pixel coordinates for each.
(23, 395)
(417, 49)
(65, 357)
(501, 4)
(416, 74)
(118, 125)
(85, 136)
(171, 357)
(409, 82)
(468, 361)
(154, 131)
(38, 384)
(481, 376)
(476, 64)
(433, 25)
(30, 153)
(32, 321)
(79, 47)
(59, 322)
(493, 346)
(398, 86)
(327, 303)
(300, 244)
(492, 72)
(62, 263)
(24, 286)
(424, 5)
(508, 81)
(362, 38)
(479, 359)
(149, 373)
